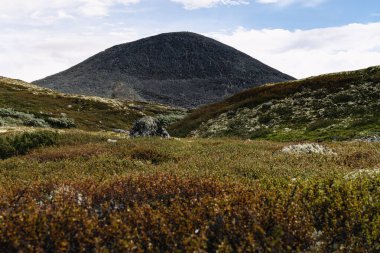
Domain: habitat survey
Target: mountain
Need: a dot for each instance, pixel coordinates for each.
(26, 105)
(181, 69)
(336, 106)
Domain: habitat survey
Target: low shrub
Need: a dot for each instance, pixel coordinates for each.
(61, 122)
(68, 152)
(34, 122)
(169, 119)
(27, 141)
(364, 122)
(321, 123)
(260, 133)
(149, 155)
(343, 98)
(283, 111)
(265, 118)
(22, 144)
(6, 148)
(166, 213)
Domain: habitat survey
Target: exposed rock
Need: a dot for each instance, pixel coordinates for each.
(180, 69)
(374, 138)
(308, 148)
(120, 131)
(111, 141)
(149, 127)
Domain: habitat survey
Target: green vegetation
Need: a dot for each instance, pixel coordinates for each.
(24, 104)
(328, 107)
(23, 143)
(10, 117)
(86, 194)
(80, 189)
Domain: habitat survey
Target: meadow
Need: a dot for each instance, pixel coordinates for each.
(82, 193)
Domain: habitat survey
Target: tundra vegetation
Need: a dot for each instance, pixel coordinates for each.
(81, 193)
(91, 188)
(339, 106)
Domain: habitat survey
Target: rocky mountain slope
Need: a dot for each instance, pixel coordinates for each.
(27, 105)
(335, 106)
(181, 69)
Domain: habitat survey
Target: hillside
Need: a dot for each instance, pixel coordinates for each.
(180, 69)
(335, 106)
(24, 104)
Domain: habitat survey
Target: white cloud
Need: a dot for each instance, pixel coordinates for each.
(308, 3)
(303, 53)
(196, 4)
(18, 9)
(34, 54)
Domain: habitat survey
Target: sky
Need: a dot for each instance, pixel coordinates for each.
(299, 37)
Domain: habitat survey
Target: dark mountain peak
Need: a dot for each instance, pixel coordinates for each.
(180, 68)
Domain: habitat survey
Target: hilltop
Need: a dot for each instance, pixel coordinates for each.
(328, 107)
(25, 104)
(180, 69)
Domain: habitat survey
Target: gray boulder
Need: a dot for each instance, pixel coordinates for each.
(149, 127)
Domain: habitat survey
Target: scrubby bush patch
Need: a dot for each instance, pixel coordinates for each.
(165, 213)
(61, 122)
(188, 195)
(23, 143)
(10, 117)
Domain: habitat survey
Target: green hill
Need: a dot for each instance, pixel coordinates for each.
(24, 104)
(328, 107)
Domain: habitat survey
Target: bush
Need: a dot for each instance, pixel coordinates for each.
(27, 141)
(260, 133)
(150, 155)
(169, 119)
(22, 144)
(61, 122)
(265, 118)
(343, 98)
(283, 111)
(364, 122)
(322, 123)
(36, 123)
(9, 112)
(6, 148)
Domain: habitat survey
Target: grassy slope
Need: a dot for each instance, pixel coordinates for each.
(188, 195)
(89, 113)
(312, 88)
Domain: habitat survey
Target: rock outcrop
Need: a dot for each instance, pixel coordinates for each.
(149, 127)
(308, 148)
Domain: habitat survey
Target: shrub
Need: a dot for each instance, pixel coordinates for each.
(343, 98)
(6, 148)
(36, 123)
(364, 122)
(260, 133)
(150, 155)
(21, 144)
(265, 118)
(61, 122)
(283, 111)
(321, 123)
(166, 120)
(9, 112)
